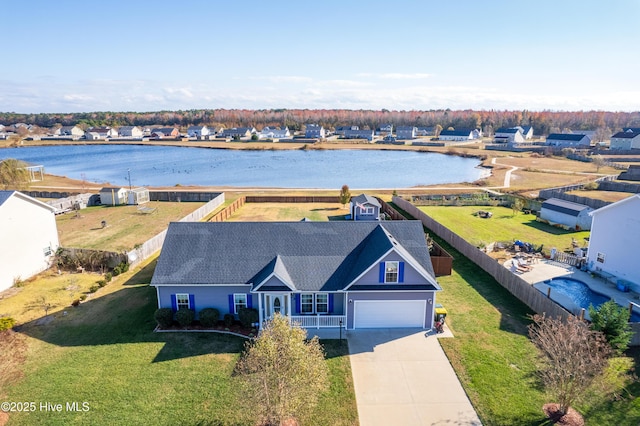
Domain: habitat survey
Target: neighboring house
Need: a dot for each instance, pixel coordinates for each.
(625, 129)
(572, 215)
(113, 196)
(104, 132)
(476, 133)
(406, 132)
(632, 173)
(527, 132)
(364, 207)
(73, 131)
(385, 129)
(130, 132)
(198, 131)
(613, 242)
(425, 131)
(456, 135)
(314, 131)
(340, 130)
(29, 237)
(91, 136)
(508, 135)
(358, 134)
(274, 133)
(238, 132)
(319, 274)
(625, 140)
(568, 139)
(165, 133)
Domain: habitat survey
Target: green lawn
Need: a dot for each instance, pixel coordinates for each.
(105, 353)
(502, 226)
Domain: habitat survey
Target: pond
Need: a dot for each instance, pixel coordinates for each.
(323, 169)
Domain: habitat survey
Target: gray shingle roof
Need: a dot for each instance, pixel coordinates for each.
(314, 256)
(364, 198)
(5, 195)
(566, 207)
(625, 135)
(566, 136)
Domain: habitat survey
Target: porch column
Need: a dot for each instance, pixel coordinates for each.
(260, 316)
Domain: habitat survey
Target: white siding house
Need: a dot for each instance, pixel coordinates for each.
(130, 132)
(314, 131)
(198, 131)
(625, 140)
(568, 139)
(511, 135)
(274, 133)
(456, 135)
(406, 132)
(613, 243)
(29, 237)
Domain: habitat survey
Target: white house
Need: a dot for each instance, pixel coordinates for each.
(73, 131)
(113, 196)
(625, 140)
(29, 237)
(613, 243)
(406, 132)
(274, 133)
(456, 135)
(510, 135)
(568, 139)
(198, 131)
(130, 132)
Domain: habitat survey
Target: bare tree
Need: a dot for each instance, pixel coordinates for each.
(574, 357)
(598, 161)
(282, 373)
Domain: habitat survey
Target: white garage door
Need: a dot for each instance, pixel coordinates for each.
(389, 313)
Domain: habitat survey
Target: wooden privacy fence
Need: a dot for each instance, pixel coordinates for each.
(224, 214)
(292, 199)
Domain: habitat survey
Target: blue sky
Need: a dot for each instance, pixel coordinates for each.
(79, 56)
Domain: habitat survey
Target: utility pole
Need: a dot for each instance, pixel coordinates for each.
(129, 174)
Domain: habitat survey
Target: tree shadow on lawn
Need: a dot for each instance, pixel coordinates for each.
(126, 316)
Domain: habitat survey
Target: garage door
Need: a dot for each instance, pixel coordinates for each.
(389, 313)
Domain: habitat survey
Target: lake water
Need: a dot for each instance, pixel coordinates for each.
(327, 169)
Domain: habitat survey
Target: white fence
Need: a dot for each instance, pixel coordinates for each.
(320, 321)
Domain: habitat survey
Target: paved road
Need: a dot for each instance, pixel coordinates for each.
(403, 377)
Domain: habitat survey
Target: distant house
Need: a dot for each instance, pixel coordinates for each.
(364, 207)
(134, 132)
(274, 133)
(625, 140)
(165, 133)
(92, 136)
(572, 215)
(340, 130)
(197, 131)
(238, 133)
(319, 274)
(385, 129)
(73, 131)
(568, 139)
(456, 135)
(406, 132)
(508, 135)
(613, 242)
(631, 129)
(113, 196)
(632, 173)
(314, 131)
(358, 134)
(29, 237)
(425, 131)
(105, 132)
(527, 132)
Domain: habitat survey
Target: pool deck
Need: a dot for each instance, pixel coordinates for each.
(546, 269)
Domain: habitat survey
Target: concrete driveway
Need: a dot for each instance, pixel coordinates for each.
(402, 377)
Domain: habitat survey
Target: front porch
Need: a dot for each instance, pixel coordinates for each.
(308, 310)
(319, 321)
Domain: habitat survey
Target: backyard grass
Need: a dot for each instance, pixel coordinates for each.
(125, 228)
(503, 226)
(106, 354)
(270, 212)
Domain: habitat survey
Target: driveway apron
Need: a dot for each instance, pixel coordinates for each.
(403, 377)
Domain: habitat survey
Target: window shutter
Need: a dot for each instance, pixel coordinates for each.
(231, 305)
(298, 298)
(174, 303)
(381, 277)
(249, 301)
(330, 303)
(192, 302)
(401, 272)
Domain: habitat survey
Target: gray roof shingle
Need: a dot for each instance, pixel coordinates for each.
(312, 256)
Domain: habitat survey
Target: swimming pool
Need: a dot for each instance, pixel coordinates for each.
(570, 293)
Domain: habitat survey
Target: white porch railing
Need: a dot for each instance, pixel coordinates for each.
(320, 321)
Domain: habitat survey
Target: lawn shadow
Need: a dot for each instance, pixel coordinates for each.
(326, 209)
(122, 317)
(544, 227)
(337, 217)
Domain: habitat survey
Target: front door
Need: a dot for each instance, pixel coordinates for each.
(276, 304)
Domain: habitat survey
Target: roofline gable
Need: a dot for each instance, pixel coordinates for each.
(31, 200)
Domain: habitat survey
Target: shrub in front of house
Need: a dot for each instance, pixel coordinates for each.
(185, 316)
(209, 317)
(94, 288)
(164, 317)
(228, 320)
(7, 323)
(248, 316)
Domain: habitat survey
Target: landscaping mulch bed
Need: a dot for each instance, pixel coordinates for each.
(572, 418)
(233, 329)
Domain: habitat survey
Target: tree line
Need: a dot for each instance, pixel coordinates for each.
(543, 122)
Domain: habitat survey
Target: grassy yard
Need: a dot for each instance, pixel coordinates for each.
(502, 226)
(125, 228)
(105, 353)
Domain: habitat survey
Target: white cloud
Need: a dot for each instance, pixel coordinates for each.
(396, 76)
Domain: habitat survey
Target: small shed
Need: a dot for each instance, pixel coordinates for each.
(113, 196)
(365, 207)
(138, 196)
(572, 215)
